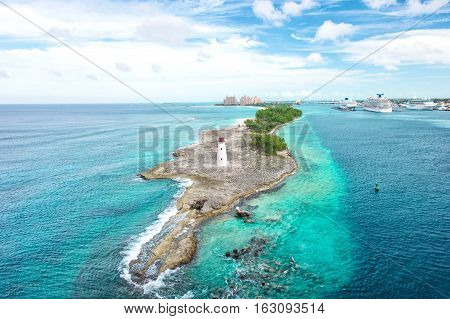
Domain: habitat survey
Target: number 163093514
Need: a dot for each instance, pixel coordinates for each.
(281, 307)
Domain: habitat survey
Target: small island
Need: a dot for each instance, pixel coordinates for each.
(256, 160)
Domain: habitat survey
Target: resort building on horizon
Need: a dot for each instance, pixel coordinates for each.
(245, 100)
(230, 100)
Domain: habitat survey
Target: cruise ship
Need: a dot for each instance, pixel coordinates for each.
(420, 104)
(347, 105)
(379, 104)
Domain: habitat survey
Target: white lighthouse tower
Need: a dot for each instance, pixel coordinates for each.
(222, 153)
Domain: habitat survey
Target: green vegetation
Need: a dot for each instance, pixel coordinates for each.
(266, 120)
(270, 144)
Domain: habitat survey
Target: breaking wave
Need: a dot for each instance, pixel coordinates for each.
(134, 248)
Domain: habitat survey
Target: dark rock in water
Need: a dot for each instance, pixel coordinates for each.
(257, 244)
(272, 220)
(198, 204)
(270, 269)
(179, 153)
(279, 288)
(242, 213)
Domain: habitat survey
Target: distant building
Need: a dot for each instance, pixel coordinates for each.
(230, 100)
(245, 100)
(256, 100)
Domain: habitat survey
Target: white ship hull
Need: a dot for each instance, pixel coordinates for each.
(421, 107)
(349, 105)
(378, 105)
(377, 109)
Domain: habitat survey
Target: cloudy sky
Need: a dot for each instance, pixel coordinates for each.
(201, 50)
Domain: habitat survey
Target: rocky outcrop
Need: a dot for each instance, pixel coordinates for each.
(214, 190)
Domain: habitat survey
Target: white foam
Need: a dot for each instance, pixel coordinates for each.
(138, 179)
(133, 250)
(151, 286)
(241, 122)
(188, 295)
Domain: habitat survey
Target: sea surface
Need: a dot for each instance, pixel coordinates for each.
(73, 212)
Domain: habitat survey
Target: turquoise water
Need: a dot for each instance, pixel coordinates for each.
(71, 203)
(297, 221)
(72, 209)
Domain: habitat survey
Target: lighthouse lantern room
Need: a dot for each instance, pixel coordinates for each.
(222, 153)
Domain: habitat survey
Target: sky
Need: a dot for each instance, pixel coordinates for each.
(203, 50)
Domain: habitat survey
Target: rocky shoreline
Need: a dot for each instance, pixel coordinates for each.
(214, 190)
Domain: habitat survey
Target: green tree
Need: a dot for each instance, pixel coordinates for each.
(266, 120)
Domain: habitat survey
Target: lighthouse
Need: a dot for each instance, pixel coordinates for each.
(222, 153)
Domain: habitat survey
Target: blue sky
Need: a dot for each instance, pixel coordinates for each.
(201, 50)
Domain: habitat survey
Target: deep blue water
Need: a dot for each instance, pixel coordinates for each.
(71, 205)
(403, 232)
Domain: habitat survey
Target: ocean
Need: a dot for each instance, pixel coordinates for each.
(73, 212)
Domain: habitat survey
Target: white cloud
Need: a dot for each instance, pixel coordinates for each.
(294, 8)
(164, 56)
(189, 60)
(156, 68)
(237, 41)
(203, 56)
(334, 31)
(379, 4)
(175, 30)
(123, 67)
(91, 77)
(418, 47)
(265, 10)
(3, 74)
(79, 21)
(315, 58)
(418, 7)
(162, 73)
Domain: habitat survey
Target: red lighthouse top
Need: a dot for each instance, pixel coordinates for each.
(221, 139)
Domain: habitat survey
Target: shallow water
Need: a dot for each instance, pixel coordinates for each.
(72, 207)
(71, 204)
